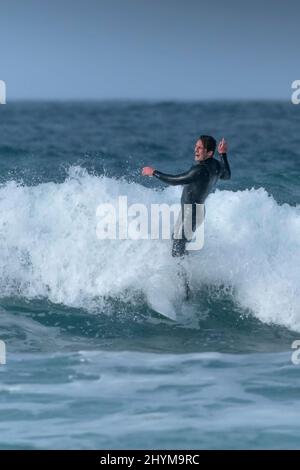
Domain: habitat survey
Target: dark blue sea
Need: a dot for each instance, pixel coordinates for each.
(90, 364)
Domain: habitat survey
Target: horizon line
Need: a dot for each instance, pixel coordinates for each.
(148, 100)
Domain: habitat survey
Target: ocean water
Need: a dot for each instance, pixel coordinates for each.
(90, 364)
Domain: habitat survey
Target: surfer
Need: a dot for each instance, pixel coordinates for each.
(198, 182)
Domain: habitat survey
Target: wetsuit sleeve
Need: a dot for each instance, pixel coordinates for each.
(225, 173)
(183, 178)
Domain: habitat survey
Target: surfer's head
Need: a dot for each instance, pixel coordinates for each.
(205, 147)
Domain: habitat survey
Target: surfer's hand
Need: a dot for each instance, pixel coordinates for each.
(147, 171)
(222, 147)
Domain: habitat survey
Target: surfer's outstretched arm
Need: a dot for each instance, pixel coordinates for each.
(183, 178)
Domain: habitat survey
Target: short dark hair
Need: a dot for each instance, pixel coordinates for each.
(209, 142)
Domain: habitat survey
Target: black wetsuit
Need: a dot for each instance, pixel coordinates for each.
(198, 181)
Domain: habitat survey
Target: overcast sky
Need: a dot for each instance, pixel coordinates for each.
(152, 49)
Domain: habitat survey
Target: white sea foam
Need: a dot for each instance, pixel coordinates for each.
(49, 247)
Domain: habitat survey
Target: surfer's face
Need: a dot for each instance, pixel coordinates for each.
(200, 152)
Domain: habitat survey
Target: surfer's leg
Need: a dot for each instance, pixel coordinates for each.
(178, 248)
(183, 278)
(179, 251)
(179, 240)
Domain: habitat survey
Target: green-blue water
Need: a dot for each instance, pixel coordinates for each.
(90, 364)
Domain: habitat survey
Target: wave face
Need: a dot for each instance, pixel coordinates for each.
(49, 248)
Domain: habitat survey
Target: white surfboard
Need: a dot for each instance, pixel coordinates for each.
(165, 295)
